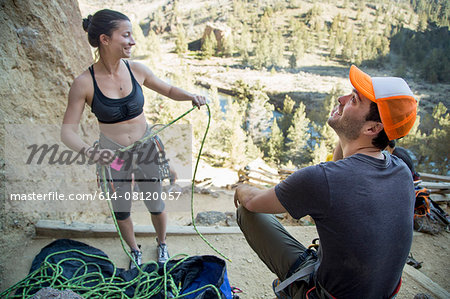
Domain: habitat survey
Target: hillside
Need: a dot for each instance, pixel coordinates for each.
(300, 49)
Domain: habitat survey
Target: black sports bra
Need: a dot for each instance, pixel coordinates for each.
(111, 111)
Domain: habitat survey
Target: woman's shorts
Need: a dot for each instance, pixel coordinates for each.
(135, 175)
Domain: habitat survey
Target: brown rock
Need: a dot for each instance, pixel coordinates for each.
(221, 32)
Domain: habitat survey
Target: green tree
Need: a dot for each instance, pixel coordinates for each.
(431, 151)
(439, 140)
(298, 136)
(423, 22)
(245, 44)
(286, 119)
(292, 61)
(239, 146)
(216, 142)
(209, 46)
(348, 49)
(181, 44)
(262, 51)
(228, 45)
(297, 46)
(141, 41)
(319, 153)
(275, 143)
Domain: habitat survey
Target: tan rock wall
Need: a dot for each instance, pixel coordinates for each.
(43, 49)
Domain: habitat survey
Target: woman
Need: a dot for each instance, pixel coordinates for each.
(112, 88)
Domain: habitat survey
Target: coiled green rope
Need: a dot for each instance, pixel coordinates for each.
(148, 284)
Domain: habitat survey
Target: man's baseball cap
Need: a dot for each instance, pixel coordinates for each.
(394, 98)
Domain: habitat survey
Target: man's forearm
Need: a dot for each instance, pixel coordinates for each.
(244, 193)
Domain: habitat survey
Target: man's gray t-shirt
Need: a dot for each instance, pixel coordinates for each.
(363, 208)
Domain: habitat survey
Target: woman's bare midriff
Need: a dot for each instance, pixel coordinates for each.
(126, 132)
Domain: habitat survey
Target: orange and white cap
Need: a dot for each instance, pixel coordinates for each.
(394, 98)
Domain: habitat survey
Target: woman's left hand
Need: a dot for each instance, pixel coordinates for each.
(173, 175)
(198, 100)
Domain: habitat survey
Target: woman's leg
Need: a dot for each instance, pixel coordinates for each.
(160, 223)
(127, 231)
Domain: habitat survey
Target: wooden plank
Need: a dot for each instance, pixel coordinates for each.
(424, 281)
(434, 177)
(58, 229)
(440, 198)
(247, 177)
(434, 185)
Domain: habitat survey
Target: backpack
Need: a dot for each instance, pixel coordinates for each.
(428, 216)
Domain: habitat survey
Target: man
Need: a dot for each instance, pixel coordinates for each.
(362, 203)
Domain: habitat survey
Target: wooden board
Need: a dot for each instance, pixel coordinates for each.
(424, 281)
(434, 177)
(59, 229)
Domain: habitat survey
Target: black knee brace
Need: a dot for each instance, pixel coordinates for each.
(121, 215)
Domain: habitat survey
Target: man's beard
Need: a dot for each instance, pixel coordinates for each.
(348, 128)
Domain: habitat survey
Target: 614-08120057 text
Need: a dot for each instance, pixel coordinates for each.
(140, 196)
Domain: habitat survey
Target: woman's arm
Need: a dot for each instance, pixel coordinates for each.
(161, 87)
(71, 122)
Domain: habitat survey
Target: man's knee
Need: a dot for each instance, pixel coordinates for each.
(245, 218)
(240, 212)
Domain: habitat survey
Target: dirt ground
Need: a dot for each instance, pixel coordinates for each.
(245, 271)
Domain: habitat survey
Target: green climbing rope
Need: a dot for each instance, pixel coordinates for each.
(148, 284)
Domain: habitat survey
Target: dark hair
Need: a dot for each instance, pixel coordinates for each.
(391, 143)
(104, 21)
(381, 141)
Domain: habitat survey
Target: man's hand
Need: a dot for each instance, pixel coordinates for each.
(257, 200)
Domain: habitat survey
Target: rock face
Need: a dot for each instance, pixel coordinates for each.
(220, 31)
(44, 47)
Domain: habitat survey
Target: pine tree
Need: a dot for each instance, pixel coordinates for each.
(292, 61)
(320, 153)
(216, 144)
(141, 42)
(431, 152)
(262, 51)
(245, 45)
(209, 45)
(438, 152)
(181, 44)
(286, 120)
(297, 47)
(298, 136)
(277, 49)
(258, 115)
(236, 145)
(275, 143)
(228, 45)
